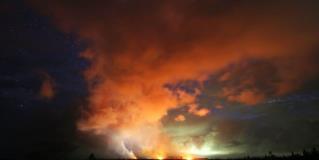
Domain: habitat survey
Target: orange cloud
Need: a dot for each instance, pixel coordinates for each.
(137, 47)
(193, 108)
(180, 118)
(247, 97)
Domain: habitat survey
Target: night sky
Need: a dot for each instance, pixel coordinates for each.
(31, 48)
(149, 79)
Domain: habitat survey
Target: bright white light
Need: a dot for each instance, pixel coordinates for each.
(188, 157)
(160, 157)
(204, 151)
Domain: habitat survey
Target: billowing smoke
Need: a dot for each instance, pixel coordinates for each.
(137, 48)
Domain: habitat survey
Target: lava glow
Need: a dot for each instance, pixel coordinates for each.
(188, 157)
(160, 157)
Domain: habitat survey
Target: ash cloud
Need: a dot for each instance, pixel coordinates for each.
(138, 47)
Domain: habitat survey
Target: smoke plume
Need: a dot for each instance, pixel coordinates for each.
(137, 48)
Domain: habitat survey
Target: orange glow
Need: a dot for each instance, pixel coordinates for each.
(194, 109)
(160, 157)
(47, 90)
(247, 97)
(188, 157)
(136, 50)
(180, 118)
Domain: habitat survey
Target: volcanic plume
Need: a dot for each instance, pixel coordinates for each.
(137, 49)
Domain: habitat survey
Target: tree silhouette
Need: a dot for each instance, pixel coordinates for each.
(92, 157)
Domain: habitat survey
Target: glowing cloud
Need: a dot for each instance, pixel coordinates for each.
(180, 118)
(136, 48)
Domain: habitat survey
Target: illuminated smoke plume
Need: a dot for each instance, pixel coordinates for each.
(136, 48)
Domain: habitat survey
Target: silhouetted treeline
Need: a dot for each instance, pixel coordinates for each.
(305, 155)
(312, 154)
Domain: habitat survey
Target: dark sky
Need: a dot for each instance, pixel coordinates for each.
(30, 47)
(143, 78)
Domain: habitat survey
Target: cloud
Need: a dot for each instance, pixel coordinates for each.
(247, 97)
(249, 82)
(219, 106)
(193, 108)
(136, 48)
(256, 135)
(253, 80)
(180, 118)
(47, 90)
